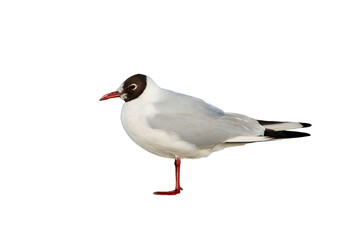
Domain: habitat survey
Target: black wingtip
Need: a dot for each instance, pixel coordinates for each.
(305, 125)
(284, 134)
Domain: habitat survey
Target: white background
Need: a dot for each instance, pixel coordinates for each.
(69, 171)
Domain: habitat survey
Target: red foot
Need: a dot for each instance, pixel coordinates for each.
(177, 177)
(173, 192)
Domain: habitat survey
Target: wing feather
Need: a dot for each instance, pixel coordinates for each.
(199, 123)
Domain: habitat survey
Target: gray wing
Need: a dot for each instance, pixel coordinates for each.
(200, 123)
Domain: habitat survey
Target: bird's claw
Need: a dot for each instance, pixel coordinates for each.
(173, 192)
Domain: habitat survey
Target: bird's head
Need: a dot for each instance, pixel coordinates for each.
(131, 89)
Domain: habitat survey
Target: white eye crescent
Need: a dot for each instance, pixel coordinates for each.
(133, 86)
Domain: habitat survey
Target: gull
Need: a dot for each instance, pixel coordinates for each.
(178, 126)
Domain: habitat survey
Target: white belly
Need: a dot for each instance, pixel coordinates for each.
(133, 118)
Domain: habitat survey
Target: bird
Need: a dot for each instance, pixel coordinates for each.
(178, 126)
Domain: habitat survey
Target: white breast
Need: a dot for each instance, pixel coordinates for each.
(134, 119)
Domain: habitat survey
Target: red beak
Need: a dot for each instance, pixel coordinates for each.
(110, 95)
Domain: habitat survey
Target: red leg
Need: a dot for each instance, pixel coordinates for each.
(177, 177)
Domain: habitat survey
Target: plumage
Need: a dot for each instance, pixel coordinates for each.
(198, 122)
(278, 126)
(176, 125)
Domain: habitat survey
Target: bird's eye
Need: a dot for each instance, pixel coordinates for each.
(133, 86)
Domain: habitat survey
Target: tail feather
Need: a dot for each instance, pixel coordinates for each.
(279, 126)
(273, 130)
(305, 125)
(284, 134)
